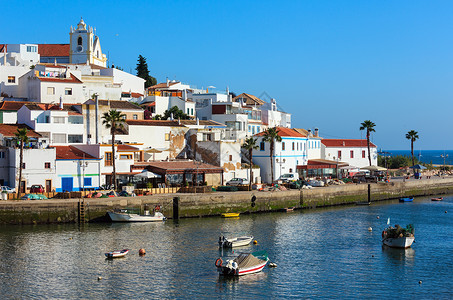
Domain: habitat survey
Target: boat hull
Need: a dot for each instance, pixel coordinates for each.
(407, 199)
(437, 199)
(241, 272)
(236, 242)
(400, 242)
(230, 215)
(126, 217)
(117, 254)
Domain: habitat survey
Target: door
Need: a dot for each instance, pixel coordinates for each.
(48, 186)
(22, 187)
(66, 184)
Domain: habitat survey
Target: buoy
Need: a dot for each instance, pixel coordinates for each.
(445, 211)
(141, 251)
(377, 217)
(420, 282)
(372, 255)
(99, 278)
(272, 265)
(70, 238)
(255, 242)
(370, 229)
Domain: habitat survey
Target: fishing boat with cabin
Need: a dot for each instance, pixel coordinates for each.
(398, 237)
(245, 263)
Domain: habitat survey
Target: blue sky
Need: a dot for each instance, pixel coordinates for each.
(332, 64)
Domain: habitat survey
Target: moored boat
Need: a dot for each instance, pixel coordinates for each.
(406, 199)
(235, 242)
(230, 215)
(398, 237)
(117, 253)
(128, 215)
(245, 263)
(437, 199)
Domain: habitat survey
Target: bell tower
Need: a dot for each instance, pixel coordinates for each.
(84, 46)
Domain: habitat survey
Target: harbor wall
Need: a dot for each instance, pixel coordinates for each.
(211, 204)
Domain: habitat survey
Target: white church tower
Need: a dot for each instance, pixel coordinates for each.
(85, 46)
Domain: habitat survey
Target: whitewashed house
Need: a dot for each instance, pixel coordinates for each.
(352, 151)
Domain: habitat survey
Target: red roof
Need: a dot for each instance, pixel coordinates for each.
(346, 143)
(12, 105)
(71, 152)
(3, 47)
(9, 130)
(136, 95)
(127, 148)
(283, 131)
(171, 123)
(73, 79)
(46, 50)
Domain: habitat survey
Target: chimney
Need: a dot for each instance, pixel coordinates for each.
(168, 82)
(309, 133)
(316, 132)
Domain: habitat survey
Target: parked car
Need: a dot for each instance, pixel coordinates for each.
(363, 177)
(237, 181)
(7, 189)
(289, 177)
(37, 188)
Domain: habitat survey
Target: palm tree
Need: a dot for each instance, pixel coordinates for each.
(413, 136)
(250, 145)
(22, 138)
(369, 126)
(114, 120)
(271, 135)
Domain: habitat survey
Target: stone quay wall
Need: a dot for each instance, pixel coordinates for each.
(212, 204)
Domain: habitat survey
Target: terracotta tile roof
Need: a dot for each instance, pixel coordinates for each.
(136, 95)
(71, 152)
(51, 50)
(73, 79)
(9, 130)
(250, 99)
(202, 122)
(349, 143)
(169, 123)
(119, 104)
(178, 166)
(127, 148)
(284, 132)
(47, 106)
(162, 85)
(12, 105)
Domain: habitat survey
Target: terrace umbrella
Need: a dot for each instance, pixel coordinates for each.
(147, 174)
(418, 167)
(374, 168)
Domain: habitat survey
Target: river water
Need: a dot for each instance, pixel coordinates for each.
(326, 253)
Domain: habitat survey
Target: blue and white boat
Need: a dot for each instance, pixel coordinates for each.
(406, 199)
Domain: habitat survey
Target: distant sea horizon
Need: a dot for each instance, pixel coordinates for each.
(436, 157)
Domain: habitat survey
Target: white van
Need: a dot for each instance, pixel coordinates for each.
(289, 177)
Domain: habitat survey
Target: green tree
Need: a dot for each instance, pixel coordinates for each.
(22, 138)
(250, 145)
(114, 120)
(177, 114)
(412, 136)
(369, 127)
(158, 117)
(143, 72)
(271, 136)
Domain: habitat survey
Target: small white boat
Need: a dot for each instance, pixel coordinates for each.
(235, 242)
(245, 263)
(398, 237)
(117, 254)
(126, 215)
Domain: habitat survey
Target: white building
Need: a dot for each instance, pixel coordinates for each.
(19, 55)
(85, 46)
(352, 151)
(58, 124)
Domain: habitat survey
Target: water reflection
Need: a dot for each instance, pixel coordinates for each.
(406, 256)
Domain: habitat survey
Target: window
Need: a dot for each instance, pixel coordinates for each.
(352, 153)
(297, 146)
(11, 79)
(253, 129)
(134, 117)
(50, 91)
(75, 120)
(191, 111)
(23, 165)
(339, 154)
(68, 91)
(32, 49)
(258, 129)
(47, 165)
(87, 181)
(108, 159)
(293, 146)
(250, 128)
(188, 110)
(363, 153)
(75, 138)
(231, 157)
(125, 156)
(2, 154)
(79, 41)
(167, 136)
(59, 138)
(283, 146)
(58, 120)
(262, 146)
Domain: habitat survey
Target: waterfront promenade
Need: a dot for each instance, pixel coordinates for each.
(211, 204)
